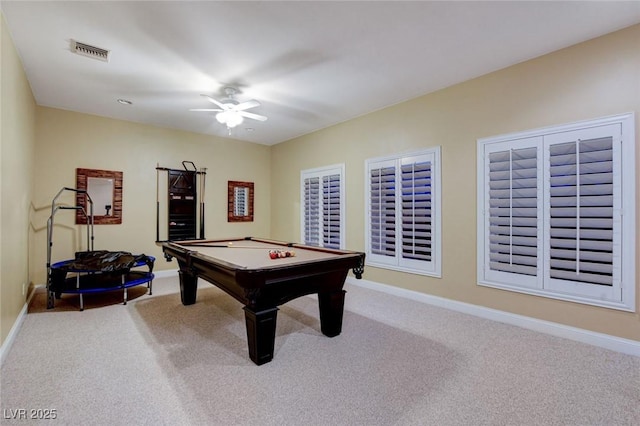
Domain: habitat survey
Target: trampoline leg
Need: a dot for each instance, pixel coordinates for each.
(150, 287)
(81, 298)
(125, 290)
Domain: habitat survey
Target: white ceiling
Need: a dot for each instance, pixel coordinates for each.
(311, 64)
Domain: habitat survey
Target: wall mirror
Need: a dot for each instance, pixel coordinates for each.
(105, 189)
(240, 202)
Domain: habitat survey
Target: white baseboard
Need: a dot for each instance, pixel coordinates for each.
(8, 342)
(618, 344)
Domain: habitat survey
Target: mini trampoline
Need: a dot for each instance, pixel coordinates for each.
(99, 271)
(93, 271)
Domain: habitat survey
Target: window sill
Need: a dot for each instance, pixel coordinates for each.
(610, 304)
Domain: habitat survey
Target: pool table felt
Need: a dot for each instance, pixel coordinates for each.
(250, 254)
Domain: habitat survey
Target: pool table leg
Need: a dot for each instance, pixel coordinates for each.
(331, 309)
(188, 287)
(261, 333)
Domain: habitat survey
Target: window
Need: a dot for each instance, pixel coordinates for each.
(403, 212)
(322, 222)
(241, 201)
(556, 212)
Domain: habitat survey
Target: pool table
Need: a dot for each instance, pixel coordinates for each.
(244, 269)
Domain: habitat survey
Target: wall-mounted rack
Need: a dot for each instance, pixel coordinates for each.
(185, 202)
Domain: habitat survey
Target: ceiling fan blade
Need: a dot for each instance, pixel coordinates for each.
(205, 109)
(253, 116)
(210, 99)
(246, 105)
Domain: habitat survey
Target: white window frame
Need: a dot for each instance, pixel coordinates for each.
(320, 173)
(432, 267)
(621, 294)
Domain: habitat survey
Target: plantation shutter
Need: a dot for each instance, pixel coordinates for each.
(584, 246)
(553, 214)
(322, 209)
(383, 210)
(581, 211)
(241, 203)
(416, 211)
(513, 211)
(403, 212)
(312, 211)
(331, 211)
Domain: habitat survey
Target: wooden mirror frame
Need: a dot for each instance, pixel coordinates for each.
(82, 177)
(231, 192)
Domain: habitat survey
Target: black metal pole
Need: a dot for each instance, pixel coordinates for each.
(157, 204)
(202, 181)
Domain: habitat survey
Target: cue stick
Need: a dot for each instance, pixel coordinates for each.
(202, 181)
(157, 203)
(232, 246)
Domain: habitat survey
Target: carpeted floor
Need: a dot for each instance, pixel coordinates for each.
(397, 362)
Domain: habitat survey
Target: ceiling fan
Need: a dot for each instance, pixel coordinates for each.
(230, 111)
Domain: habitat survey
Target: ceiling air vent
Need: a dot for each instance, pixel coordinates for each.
(90, 51)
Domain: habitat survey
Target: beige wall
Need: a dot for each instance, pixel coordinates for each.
(593, 79)
(17, 139)
(68, 140)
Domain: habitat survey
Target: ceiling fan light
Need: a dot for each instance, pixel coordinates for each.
(230, 118)
(234, 120)
(222, 117)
